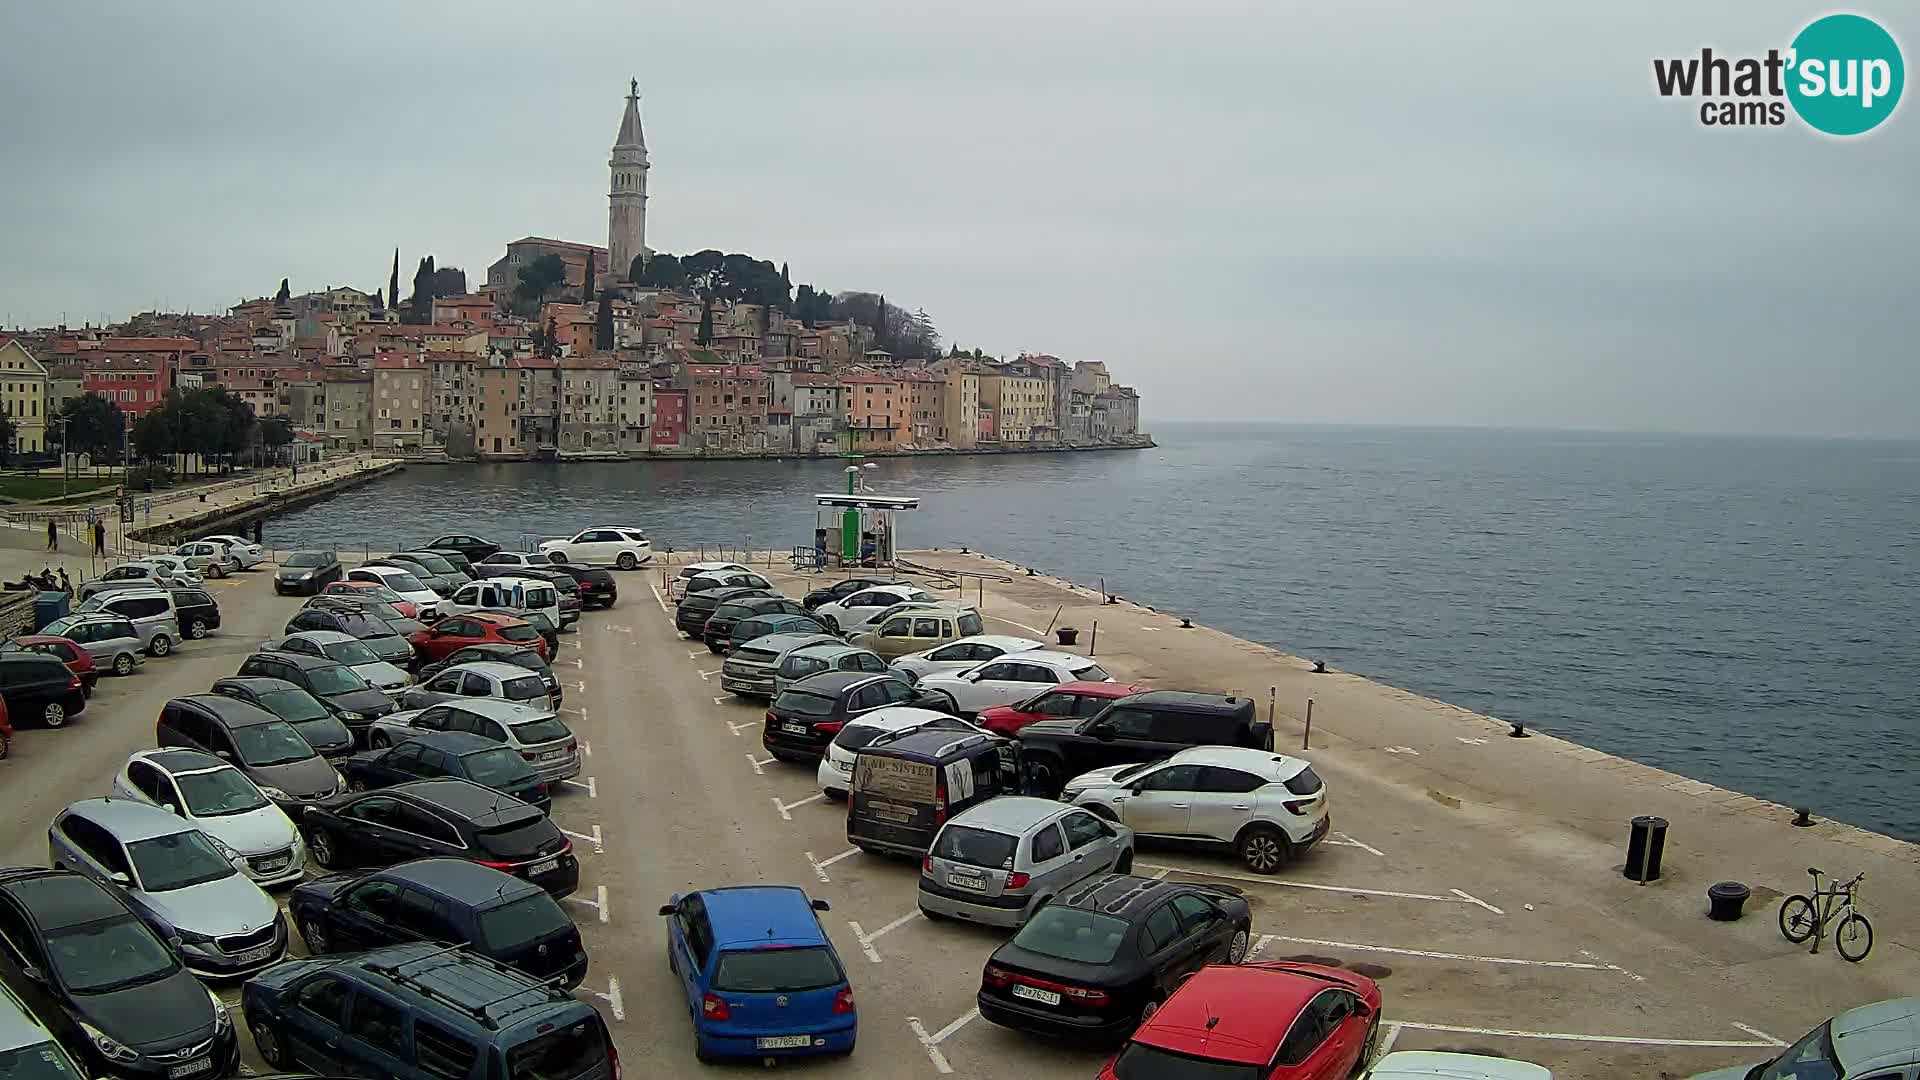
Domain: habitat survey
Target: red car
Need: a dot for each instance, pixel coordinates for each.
(1065, 701)
(459, 631)
(403, 606)
(69, 652)
(1278, 1021)
(6, 731)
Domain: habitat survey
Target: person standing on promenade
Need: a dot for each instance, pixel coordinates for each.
(53, 536)
(100, 538)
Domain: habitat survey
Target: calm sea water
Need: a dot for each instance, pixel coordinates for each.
(1744, 611)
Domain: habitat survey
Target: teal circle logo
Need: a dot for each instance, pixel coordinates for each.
(1846, 74)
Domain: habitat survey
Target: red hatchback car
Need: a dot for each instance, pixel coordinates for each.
(1066, 701)
(456, 632)
(1277, 1021)
(78, 660)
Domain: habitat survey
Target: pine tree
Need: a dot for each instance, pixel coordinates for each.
(393, 282)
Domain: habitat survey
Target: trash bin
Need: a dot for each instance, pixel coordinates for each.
(47, 607)
(1067, 635)
(1645, 844)
(1725, 899)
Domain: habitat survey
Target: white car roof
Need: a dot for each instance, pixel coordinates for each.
(176, 761)
(895, 717)
(323, 637)
(1433, 1065)
(506, 579)
(498, 670)
(1006, 643)
(1070, 661)
(695, 569)
(1266, 763)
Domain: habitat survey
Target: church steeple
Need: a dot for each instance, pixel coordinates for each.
(627, 192)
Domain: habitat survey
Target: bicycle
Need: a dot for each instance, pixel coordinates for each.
(1803, 917)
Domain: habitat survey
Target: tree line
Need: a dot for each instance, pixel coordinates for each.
(714, 276)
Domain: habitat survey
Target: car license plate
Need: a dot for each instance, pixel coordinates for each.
(253, 956)
(968, 882)
(796, 729)
(191, 1068)
(272, 866)
(1044, 997)
(545, 866)
(782, 1042)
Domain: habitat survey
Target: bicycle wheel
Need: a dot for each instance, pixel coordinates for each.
(1854, 938)
(1797, 919)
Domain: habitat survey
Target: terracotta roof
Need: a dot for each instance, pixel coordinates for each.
(806, 378)
(579, 363)
(391, 361)
(565, 245)
(148, 344)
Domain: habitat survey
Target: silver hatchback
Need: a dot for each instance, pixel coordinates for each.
(998, 862)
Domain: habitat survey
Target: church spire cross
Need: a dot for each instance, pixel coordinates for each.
(633, 89)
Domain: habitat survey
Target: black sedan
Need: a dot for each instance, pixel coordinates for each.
(842, 589)
(1096, 958)
(523, 655)
(308, 714)
(448, 753)
(697, 608)
(804, 719)
(473, 547)
(719, 625)
(424, 819)
(104, 984)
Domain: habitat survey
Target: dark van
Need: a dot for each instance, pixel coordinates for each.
(907, 784)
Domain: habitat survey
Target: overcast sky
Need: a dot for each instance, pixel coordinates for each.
(1410, 213)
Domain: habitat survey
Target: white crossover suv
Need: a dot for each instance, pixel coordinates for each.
(1010, 679)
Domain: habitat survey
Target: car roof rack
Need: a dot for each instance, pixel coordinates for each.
(398, 973)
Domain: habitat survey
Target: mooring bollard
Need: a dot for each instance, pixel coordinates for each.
(1646, 843)
(1725, 900)
(1803, 817)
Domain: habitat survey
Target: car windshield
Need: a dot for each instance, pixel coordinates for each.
(1809, 1059)
(323, 731)
(519, 632)
(802, 703)
(1090, 673)
(1132, 771)
(545, 729)
(401, 581)
(518, 840)
(525, 658)
(536, 620)
(976, 847)
(338, 679)
(1304, 782)
(277, 743)
(434, 564)
(220, 792)
(1064, 933)
(43, 1061)
(801, 666)
(498, 767)
(108, 955)
(732, 610)
(295, 705)
(306, 558)
(183, 859)
(560, 1055)
(362, 625)
(1142, 1062)
(524, 688)
(349, 652)
(527, 919)
(772, 971)
(855, 736)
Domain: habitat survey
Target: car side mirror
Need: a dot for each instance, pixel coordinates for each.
(34, 973)
(119, 877)
(223, 755)
(170, 808)
(1138, 786)
(1103, 733)
(666, 909)
(822, 905)
(1360, 1009)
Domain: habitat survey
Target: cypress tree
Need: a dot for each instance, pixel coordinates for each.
(393, 282)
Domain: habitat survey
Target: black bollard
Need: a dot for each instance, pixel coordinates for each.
(1646, 843)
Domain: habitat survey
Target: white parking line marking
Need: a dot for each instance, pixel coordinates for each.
(867, 940)
(580, 686)
(1341, 839)
(1458, 897)
(599, 845)
(1403, 750)
(658, 599)
(619, 629)
(612, 997)
(1386, 1040)
(1562, 1036)
(1431, 955)
(599, 904)
(1035, 631)
(586, 747)
(737, 728)
(1470, 742)
(1161, 873)
(784, 807)
(592, 791)
(757, 763)
(719, 701)
(926, 1042)
(576, 662)
(1757, 1033)
(820, 866)
(709, 674)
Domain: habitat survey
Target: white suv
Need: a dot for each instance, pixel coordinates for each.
(1011, 679)
(1270, 808)
(862, 610)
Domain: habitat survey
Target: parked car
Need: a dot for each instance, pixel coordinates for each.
(563, 583)
(1067, 701)
(441, 585)
(448, 636)
(726, 579)
(916, 626)
(309, 716)
(844, 588)
(28, 1050)
(113, 641)
(1144, 727)
(208, 558)
(1285, 1021)
(525, 656)
(461, 754)
(616, 545)
(1107, 952)
(423, 819)
(768, 625)
(197, 611)
(690, 618)
(181, 883)
(961, 654)
(473, 547)
(1439, 1065)
(719, 626)
(244, 551)
(482, 678)
(1268, 808)
(1872, 1042)
(835, 772)
(829, 654)
(855, 613)
(176, 567)
(522, 596)
(6, 732)
(400, 604)
(1000, 861)
(470, 1019)
(348, 620)
(540, 737)
(221, 802)
(348, 650)
(761, 977)
(145, 574)
(749, 669)
(598, 587)
(38, 688)
(508, 563)
(352, 701)
(457, 558)
(1012, 678)
(87, 965)
(907, 783)
(677, 584)
(268, 749)
(69, 652)
(549, 632)
(803, 720)
(410, 588)
(493, 914)
(435, 564)
(307, 572)
(151, 612)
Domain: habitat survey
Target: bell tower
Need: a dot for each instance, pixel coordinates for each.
(627, 191)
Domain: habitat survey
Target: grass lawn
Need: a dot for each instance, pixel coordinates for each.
(32, 487)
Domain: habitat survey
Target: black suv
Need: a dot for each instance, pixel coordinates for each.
(697, 608)
(196, 610)
(423, 1012)
(719, 625)
(426, 818)
(806, 717)
(1144, 727)
(597, 585)
(460, 754)
(355, 703)
(39, 687)
(450, 900)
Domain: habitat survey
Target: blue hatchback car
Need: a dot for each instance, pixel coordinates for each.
(760, 977)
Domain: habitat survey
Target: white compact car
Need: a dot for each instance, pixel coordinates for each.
(244, 551)
(859, 611)
(962, 654)
(1011, 679)
(1269, 808)
(1435, 1065)
(836, 765)
(209, 558)
(410, 588)
(604, 545)
(220, 801)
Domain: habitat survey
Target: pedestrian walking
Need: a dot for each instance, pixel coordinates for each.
(53, 536)
(100, 538)
(257, 523)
